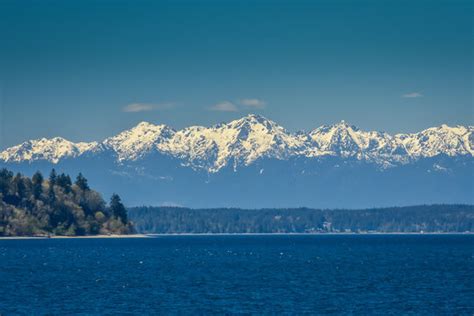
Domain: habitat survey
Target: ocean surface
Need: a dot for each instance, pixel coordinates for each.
(289, 274)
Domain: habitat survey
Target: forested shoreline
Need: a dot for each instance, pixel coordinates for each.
(412, 219)
(56, 206)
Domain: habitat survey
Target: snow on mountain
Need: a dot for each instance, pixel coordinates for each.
(451, 141)
(138, 141)
(51, 150)
(347, 140)
(243, 141)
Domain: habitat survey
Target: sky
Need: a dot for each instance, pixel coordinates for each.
(86, 70)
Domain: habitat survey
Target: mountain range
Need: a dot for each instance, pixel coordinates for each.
(254, 162)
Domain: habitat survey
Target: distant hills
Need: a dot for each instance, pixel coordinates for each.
(412, 219)
(253, 162)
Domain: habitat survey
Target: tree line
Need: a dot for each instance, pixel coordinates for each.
(57, 206)
(423, 218)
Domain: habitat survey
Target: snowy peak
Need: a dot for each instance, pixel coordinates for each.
(254, 128)
(251, 120)
(451, 141)
(340, 138)
(243, 141)
(258, 137)
(51, 150)
(138, 141)
(251, 126)
(348, 140)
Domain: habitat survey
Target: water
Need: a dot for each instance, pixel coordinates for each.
(337, 274)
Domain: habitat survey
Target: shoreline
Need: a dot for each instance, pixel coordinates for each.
(226, 234)
(75, 237)
(309, 234)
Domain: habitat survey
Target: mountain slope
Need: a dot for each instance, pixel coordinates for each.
(52, 150)
(251, 138)
(241, 141)
(254, 162)
(138, 141)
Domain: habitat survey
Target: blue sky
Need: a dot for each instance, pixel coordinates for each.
(85, 70)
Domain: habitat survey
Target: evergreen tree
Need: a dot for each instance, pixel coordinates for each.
(52, 177)
(117, 209)
(51, 195)
(37, 181)
(52, 183)
(24, 211)
(81, 182)
(19, 186)
(64, 181)
(5, 178)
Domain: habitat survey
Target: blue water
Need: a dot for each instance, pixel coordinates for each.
(337, 274)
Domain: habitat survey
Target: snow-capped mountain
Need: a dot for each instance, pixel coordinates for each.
(345, 140)
(138, 141)
(52, 150)
(243, 141)
(452, 141)
(254, 162)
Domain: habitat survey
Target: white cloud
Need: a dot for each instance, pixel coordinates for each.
(412, 95)
(253, 103)
(224, 106)
(143, 107)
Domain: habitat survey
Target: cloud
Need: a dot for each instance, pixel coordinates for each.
(224, 106)
(144, 107)
(412, 95)
(253, 103)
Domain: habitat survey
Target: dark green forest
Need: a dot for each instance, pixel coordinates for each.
(425, 218)
(56, 206)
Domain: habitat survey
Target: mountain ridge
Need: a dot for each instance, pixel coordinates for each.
(253, 137)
